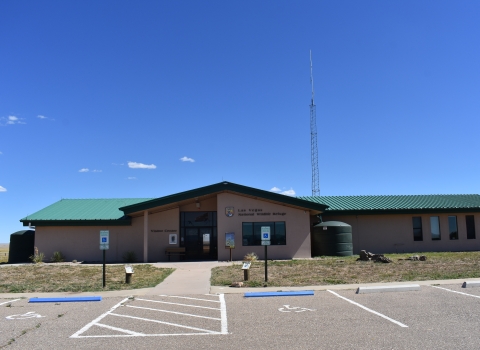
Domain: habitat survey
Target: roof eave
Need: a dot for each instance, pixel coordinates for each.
(223, 187)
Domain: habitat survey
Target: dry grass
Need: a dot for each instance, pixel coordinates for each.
(3, 253)
(346, 270)
(76, 278)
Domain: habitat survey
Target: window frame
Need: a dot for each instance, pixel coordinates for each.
(453, 235)
(417, 229)
(277, 237)
(470, 226)
(434, 238)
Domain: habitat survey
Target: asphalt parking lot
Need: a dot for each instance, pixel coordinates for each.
(435, 316)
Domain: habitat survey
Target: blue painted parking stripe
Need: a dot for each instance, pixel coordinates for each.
(279, 294)
(64, 300)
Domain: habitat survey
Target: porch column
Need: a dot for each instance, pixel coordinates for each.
(145, 236)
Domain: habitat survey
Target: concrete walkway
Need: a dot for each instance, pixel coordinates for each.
(188, 278)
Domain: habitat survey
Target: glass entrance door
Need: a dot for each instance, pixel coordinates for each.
(198, 234)
(199, 244)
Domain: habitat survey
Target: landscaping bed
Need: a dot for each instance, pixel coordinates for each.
(347, 270)
(69, 277)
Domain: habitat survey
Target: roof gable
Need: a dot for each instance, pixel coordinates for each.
(223, 187)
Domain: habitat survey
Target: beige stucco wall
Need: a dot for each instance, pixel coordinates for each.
(297, 224)
(160, 226)
(394, 233)
(82, 243)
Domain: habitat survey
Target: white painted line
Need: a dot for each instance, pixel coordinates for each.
(471, 284)
(453, 291)
(173, 312)
(166, 302)
(142, 335)
(223, 313)
(167, 323)
(369, 310)
(11, 301)
(87, 327)
(119, 329)
(174, 296)
(394, 288)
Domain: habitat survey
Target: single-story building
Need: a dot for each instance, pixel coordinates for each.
(199, 224)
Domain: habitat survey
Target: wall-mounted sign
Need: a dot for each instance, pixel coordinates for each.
(230, 240)
(229, 211)
(172, 238)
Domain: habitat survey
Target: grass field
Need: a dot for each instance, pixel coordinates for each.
(3, 253)
(346, 270)
(76, 278)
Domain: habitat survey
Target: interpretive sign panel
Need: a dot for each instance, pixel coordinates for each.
(230, 240)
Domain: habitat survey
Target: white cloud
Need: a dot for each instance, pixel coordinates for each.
(186, 159)
(131, 178)
(289, 192)
(43, 117)
(3, 189)
(1, 153)
(135, 165)
(11, 120)
(83, 170)
(96, 171)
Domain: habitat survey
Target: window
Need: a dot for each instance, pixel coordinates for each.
(470, 220)
(435, 227)
(417, 228)
(452, 227)
(251, 233)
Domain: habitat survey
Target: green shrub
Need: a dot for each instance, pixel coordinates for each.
(57, 257)
(129, 257)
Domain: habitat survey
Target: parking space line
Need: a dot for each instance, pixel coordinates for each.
(173, 312)
(174, 296)
(119, 329)
(167, 323)
(223, 314)
(87, 327)
(369, 310)
(11, 301)
(454, 291)
(166, 302)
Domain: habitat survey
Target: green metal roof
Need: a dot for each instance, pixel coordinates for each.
(224, 186)
(83, 211)
(398, 203)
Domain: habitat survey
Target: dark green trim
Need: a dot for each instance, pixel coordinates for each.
(400, 211)
(122, 222)
(222, 187)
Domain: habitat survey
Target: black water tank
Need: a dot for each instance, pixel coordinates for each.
(21, 246)
(332, 238)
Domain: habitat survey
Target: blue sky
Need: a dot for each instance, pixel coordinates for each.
(158, 97)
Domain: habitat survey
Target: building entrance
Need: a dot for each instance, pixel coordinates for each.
(198, 234)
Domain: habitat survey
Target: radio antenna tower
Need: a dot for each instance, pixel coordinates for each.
(313, 137)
